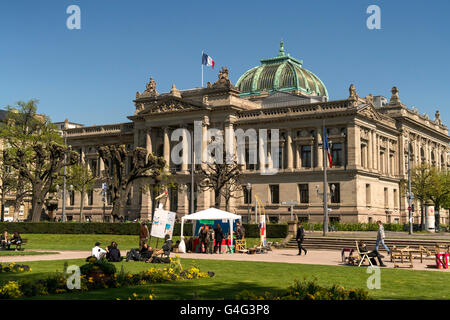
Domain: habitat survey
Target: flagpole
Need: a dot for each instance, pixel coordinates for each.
(202, 68)
(325, 183)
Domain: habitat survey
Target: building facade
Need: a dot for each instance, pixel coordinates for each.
(369, 138)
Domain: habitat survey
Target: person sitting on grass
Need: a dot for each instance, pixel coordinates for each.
(113, 253)
(372, 255)
(5, 239)
(98, 252)
(15, 240)
(165, 249)
(146, 252)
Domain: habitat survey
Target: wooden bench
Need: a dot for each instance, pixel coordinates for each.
(18, 246)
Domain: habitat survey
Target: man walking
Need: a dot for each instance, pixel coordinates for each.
(299, 238)
(380, 238)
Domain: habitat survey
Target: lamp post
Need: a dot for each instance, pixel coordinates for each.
(249, 198)
(409, 190)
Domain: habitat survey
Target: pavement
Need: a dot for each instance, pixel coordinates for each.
(317, 257)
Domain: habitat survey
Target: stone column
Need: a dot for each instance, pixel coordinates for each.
(186, 151)
(290, 160)
(204, 144)
(374, 150)
(148, 141)
(166, 146)
(354, 146)
(369, 151)
(319, 140)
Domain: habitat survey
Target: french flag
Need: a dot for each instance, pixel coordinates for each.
(327, 147)
(207, 60)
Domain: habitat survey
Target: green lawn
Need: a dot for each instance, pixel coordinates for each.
(87, 241)
(234, 276)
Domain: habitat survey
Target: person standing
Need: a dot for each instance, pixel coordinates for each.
(210, 239)
(300, 237)
(219, 237)
(143, 235)
(202, 238)
(380, 237)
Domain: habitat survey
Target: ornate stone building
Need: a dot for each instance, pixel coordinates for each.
(369, 138)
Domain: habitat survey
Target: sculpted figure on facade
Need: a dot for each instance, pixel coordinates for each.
(395, 99)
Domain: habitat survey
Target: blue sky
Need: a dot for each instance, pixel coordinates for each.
(91, 75)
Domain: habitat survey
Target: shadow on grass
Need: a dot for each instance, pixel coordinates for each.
(178, 290)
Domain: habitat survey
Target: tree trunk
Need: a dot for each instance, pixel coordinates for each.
(422, 226)
(81, 204)
(3, 207)
(217, 199)
(36, 205)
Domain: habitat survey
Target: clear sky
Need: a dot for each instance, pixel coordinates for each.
(91, 76)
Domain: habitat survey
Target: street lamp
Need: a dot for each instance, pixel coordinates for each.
(249, 198)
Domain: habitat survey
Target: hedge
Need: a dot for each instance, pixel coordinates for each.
(251, 230)
(359, 227)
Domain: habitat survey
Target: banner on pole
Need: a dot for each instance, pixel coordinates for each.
(163, 223)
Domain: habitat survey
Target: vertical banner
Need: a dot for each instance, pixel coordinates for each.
(163, 223)
(262, 227)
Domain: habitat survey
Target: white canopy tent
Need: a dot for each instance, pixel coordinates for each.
(212, 214)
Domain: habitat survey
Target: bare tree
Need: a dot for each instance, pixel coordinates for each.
(120, 178)
(222, 178)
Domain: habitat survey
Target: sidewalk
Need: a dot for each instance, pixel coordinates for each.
(318, 257)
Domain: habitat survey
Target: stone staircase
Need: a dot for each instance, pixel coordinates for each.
(331, 243)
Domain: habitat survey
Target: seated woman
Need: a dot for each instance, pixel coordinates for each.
(4, 239)
(165, 249)
(15, 240)
(372, 255)
(113, 253)
(146, 252)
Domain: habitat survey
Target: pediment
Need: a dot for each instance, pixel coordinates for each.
(172, 104)
(368, 111)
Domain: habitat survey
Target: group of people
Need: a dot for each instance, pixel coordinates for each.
(7, 241)
(211, 238)
(111, 253)
(361, 245)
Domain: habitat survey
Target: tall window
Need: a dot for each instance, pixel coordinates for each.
(336, 194)
(306, 156)
(304, 193)
(174, 199)
(94, 167)
(247, 195)
(90, 197)
(336, 154)
(72, 197)
(395, 199)
(274, 193)
(368, 195)
(129, 199)
(386, 198)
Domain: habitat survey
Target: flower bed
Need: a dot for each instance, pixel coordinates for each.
(309, 290)
(13, 267)
(100, 275)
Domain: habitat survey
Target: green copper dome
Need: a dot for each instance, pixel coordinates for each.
(281, 73)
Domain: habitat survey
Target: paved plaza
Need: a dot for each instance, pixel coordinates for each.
(318, 257)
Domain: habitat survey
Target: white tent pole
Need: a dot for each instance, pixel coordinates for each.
(231, 233)
(182, 225)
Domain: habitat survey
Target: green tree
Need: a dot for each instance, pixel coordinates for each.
(439, 191)
(35, 149)
(421, 176)
(82, 179)
(123, 167)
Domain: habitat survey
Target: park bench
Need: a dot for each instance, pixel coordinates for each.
(19, 245)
